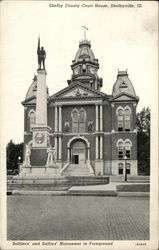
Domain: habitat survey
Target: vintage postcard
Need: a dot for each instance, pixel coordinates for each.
(79, 125)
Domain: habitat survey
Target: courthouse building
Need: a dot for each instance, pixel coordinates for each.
(94, 133)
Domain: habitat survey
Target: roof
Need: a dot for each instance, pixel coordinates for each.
(85, 52)
(77, 90)
(123, 84)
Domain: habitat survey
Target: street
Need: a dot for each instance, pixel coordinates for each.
(32, 217)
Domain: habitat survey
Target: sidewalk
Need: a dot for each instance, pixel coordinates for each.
(94, 190)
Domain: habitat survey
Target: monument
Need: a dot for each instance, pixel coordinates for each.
(39, 154)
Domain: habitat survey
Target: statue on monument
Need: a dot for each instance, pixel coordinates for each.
(51, 159)
(27, 156)
(41, 56)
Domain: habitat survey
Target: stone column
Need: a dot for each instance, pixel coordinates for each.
(101, 117)
(55, 118)
(97, 117)
(101, 147)
(59, 148)
(60, 119)
(41, 101)
(56, 146)
(96, 147)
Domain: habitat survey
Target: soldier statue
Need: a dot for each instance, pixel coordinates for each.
(51, 159)
(41, 56)
(27, 156)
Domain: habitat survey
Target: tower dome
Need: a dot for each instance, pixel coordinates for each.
(84, 52)
(85, 66)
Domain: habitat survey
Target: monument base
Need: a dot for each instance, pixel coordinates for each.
(40, 171)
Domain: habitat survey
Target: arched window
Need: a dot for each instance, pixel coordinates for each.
(120, 168)
(120, 146)
(81, 121)
(128, 145)
(78, 121)
(127, 119)
(32, 116)
(75, 121)
(120, 119)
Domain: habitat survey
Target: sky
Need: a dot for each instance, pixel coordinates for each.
(121, 38)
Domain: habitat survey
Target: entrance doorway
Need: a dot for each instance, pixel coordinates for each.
(75, 159)
(78, 155)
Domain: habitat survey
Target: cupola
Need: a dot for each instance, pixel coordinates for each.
(85, 66)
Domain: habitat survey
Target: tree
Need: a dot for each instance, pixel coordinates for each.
(143, 141)
(14, 155)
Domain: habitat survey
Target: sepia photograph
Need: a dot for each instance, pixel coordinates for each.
(79, 125)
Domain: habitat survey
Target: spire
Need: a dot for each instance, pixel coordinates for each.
(85, 28)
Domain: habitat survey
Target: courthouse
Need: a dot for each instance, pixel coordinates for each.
(94, 133)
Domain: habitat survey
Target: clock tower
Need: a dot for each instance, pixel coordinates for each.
(85, 67)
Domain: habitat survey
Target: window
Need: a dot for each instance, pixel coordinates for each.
(120, 120)
(32, 116)
(78, 121)
(81, 121)
(75, 121)
(123, 118)
(120, 150)
(128, 149)
(124, 149)
(127, 119)
(128, 168)
(120, 168)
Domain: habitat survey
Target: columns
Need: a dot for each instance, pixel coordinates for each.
(58, 129)
(101, 147)
(101, 117)
(59, 148)
(96, 147)
(55, 118)
(97, 118)
(60, 119)
(99, 114)
(56, 146)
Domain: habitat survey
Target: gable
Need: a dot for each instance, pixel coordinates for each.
(78, 90)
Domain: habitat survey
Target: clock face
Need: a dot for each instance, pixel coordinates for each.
(76, 71)
(92, 70)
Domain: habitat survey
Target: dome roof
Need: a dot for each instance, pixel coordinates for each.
(123, 84)
(32, 89)
(84, 52)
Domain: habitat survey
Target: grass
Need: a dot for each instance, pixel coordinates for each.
(133, 188)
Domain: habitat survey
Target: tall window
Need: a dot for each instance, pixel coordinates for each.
(120, 150)
(82, 121)
(120, 120)
(32, 116)
(78, 121)
(127, 119)
(128, 149)
(75, 121)
(124, 148)
(123, 118)
(128, 168)
(120, 168)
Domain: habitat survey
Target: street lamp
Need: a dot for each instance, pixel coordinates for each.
(125, 168)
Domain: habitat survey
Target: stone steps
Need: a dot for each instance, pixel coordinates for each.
(77, 170)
